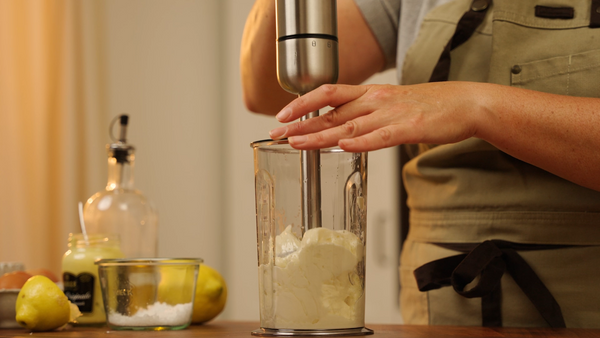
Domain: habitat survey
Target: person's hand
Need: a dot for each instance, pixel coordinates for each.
(372, 117)
(557, 133)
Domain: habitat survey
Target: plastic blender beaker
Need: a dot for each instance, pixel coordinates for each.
(311, 281)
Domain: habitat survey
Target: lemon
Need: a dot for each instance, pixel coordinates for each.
(211, 295)
(175, 286)
(41, 305)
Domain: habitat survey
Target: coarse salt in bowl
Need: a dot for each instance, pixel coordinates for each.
(148, 293)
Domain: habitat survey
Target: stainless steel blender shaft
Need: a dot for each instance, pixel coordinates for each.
(310, 161)
(307, 57)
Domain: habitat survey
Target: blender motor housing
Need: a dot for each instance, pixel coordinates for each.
(307, 44)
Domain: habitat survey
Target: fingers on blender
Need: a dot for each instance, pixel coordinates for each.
(278, 133)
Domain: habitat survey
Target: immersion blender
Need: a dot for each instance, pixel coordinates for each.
(307, 57)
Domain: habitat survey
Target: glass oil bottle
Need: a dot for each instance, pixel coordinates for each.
(120, 208)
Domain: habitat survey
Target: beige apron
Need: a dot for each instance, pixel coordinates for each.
(470, 192)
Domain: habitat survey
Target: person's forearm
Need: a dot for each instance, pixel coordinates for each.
(261, 90)
(560, 134)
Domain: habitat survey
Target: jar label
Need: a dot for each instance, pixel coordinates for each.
(80, 290)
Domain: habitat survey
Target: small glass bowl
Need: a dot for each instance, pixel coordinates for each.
(148, 293)
(8, 300)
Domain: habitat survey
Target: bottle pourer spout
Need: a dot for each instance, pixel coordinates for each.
(124, 120)
(120, 149)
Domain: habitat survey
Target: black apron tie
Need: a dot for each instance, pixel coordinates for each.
(489, 260)
(464, 29)
(595, 14)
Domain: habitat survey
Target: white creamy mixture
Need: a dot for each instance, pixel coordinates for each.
(315, 282)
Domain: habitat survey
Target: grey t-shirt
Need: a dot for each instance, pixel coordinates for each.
(395, 24)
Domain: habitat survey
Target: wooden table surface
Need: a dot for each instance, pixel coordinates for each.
(243, 329)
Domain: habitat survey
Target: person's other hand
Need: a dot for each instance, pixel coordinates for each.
(371, 117)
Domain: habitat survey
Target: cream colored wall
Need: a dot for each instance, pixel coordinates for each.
(242, 128)
(164, 71)
(174, 67)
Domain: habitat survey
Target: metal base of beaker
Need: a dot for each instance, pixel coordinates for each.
(358, 331)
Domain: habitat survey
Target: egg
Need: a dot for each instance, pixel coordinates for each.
(43, 272)
(13, 280)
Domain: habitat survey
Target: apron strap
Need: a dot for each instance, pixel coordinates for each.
(464, 29)
(595, 14)
(489, 260)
